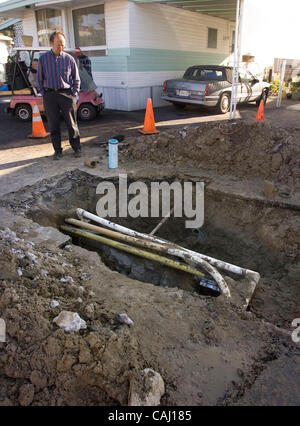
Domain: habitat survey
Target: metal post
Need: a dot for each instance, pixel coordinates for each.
(234, 75)
(237, 55)
(282, 73)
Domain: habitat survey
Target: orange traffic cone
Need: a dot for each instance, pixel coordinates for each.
(149, 123)
(38, 129)
(260, 113)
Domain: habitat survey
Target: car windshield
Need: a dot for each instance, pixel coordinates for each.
(202, 74)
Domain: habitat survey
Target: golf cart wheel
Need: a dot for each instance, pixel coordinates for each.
(87, 112)
(224, 103)
(23, 112)
(264, 97)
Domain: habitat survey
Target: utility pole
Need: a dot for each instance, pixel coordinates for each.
(282, 73)
(237, 57)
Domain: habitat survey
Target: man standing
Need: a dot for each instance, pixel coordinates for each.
(84, 61)
(59, 82)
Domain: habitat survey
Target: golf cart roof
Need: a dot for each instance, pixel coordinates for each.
(38, 49)
(31, 49)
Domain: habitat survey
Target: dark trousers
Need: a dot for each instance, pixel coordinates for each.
(54, 102)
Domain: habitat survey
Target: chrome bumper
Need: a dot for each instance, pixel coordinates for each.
(208, 101)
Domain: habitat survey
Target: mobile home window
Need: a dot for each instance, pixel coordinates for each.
(212, 38)
(48, 21)
(89, 26)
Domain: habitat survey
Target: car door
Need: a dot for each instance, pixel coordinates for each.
(251, 86)
(256, 86)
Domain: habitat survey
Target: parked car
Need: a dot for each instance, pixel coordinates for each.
(211, 86)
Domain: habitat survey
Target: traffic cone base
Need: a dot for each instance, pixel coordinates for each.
(260, 116)
(149, 123)
(148, 133)
(40, 136)
(38, 129)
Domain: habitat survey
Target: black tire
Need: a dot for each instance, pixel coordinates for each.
(263, 97)
(179, 105)
(86, 112)
(224, 103)
(23, 112)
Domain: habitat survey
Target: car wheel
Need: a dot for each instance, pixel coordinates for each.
(86, 112)
(179, 105)
(263, 97)
(224, 103)
(23, 112)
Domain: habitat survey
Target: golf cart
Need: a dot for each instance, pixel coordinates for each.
(89, 104)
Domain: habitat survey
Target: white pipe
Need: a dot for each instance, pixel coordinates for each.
(175, 250)
(215, 262)
(162, 222)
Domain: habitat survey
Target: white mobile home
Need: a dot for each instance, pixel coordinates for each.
(134, 45)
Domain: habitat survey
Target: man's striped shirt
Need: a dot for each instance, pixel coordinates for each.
(58, 72)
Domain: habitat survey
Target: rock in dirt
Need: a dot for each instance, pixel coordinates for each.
(124, 319)
(38, 379)
(269, 189)
(147, 389)
(26, 395)
(70, 321)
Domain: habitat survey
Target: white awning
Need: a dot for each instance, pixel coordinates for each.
(225, 9)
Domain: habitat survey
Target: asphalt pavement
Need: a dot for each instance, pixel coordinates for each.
(14, 133)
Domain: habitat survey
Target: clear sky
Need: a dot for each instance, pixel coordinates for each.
(277, 29)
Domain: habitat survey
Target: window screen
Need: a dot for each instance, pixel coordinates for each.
(89, 26)
(212, 38)
(48, 21)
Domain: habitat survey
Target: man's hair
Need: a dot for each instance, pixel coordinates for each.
(35, 60)
(56, 33)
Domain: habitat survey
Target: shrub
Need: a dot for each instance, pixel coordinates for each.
(295, 86)
(275, 87)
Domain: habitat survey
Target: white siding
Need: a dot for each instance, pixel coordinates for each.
(29, 25)
(116, 98)
(129, 91)
(115, 79)
(117, 24)
(153, 78)
(157, 26)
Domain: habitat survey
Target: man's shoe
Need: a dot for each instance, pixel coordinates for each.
(57, 156)
(77, 154)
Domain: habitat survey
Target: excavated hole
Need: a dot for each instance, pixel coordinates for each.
(232, 232)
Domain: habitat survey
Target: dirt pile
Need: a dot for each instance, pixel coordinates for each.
(207, 351)
(240, 149)
(41, 364)
(191, 341)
